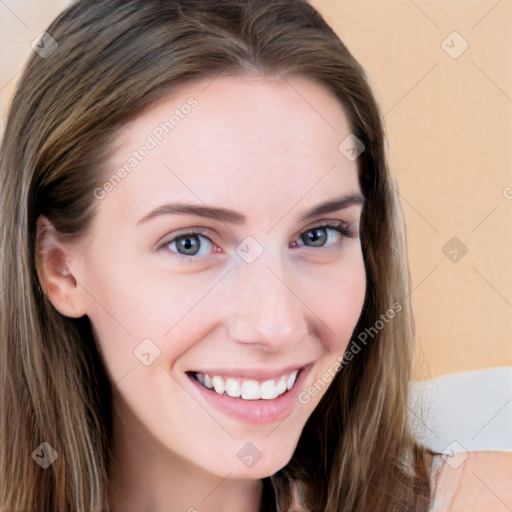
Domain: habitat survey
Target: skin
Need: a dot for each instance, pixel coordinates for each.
(267, 148)
(478, 481)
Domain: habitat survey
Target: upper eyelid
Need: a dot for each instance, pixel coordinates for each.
(170, 237)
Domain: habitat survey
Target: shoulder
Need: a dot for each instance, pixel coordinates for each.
(476, 481)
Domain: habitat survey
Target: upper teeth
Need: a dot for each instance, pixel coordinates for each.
(248, 389)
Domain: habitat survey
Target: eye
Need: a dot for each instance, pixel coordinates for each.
(189, 244)
(318, 236)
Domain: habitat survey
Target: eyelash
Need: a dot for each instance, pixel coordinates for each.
(339, 226)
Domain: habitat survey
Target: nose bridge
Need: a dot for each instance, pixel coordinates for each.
(265, 310)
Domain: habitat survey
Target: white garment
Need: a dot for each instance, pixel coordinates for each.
(464, 412)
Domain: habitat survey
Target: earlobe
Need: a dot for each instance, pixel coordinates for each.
(53, 259)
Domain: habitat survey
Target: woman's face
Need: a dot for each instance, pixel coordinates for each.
(250, 293)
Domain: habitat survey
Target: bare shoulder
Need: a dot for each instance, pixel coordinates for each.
(473, 481)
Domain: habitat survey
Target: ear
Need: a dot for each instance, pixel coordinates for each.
(54, 260)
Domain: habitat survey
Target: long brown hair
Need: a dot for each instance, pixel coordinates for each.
(111, 60)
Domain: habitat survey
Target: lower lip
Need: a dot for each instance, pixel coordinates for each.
(260, 411)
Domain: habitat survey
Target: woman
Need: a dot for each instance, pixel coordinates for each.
(203, 269)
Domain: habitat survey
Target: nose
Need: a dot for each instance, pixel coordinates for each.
(266, 310)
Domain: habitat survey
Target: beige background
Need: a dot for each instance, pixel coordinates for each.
(448, 118)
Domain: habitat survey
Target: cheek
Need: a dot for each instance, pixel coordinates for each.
(127, 307)
(340, 304)
(339, 300)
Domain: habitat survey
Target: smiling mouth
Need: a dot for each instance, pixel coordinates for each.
(247, 389)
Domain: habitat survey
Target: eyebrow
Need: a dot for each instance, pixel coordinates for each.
(236, 218)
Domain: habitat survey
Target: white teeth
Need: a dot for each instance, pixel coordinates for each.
(248, 389)
(233, 387)
(218, 384)
(268, 390)
(291, 379)
(281, 385)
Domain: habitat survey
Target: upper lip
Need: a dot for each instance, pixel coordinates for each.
(250, 373)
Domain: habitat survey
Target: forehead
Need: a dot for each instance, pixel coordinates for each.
(237, 141)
